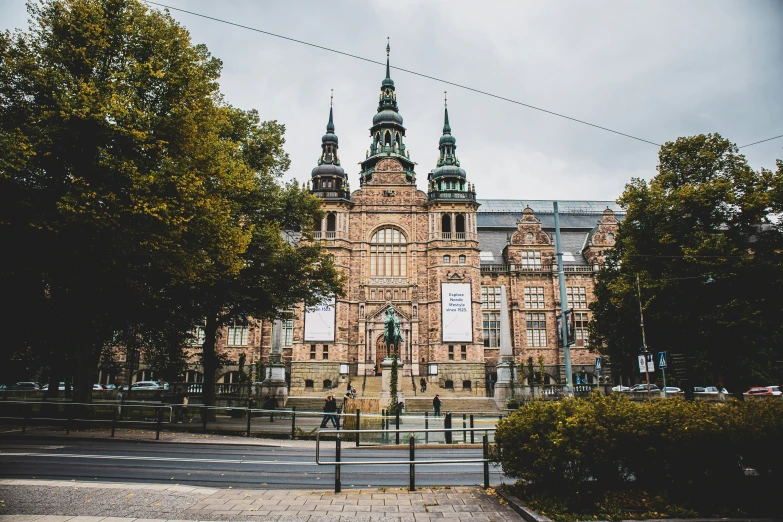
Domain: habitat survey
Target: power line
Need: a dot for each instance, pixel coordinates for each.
(762, 141)
(407, 71)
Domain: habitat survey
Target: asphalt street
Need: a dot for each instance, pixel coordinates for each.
(279, 465)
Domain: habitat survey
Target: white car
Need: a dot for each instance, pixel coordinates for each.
(620, 388)
(672, 390)
(149, 385)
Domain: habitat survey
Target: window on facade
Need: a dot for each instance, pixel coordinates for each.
(372, 295)
(576, 297)
(326, 352)
(451, 352)
(388, 253)
(404, 294)
(463, 353)
(288, 332)
(237, 335)
(446, 259)
(536, 329)
(462, 259)
(312, 352)
(490, 297)
(534, 297)
(491, 329)
(198, 336)
(580, 329)
(531, 259)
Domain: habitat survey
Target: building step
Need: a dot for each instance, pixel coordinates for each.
(452, 404)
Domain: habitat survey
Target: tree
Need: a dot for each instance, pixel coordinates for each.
(705, 239)
(119, 186)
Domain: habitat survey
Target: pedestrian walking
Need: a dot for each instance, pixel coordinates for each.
(436, 404)
(119, 397)
(423, 384)
(330, 408)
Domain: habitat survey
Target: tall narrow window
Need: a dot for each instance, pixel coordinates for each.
(490, 297)
(536, 329)
(491, 323)
(534, 297)
(580, 329)
(198, 335)
(326, 352)
(451, 352)
(288, 332)
(388, 253)
(463, 352)
(312, 352)
(462, 259)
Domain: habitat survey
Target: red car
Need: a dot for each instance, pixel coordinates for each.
(763, 390)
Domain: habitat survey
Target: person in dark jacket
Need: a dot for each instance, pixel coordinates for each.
(436, 404)
(330, 407)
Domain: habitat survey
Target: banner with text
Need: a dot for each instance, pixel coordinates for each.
(457, 319)
(319, 321)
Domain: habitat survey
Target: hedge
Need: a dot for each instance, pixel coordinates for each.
(612, 442)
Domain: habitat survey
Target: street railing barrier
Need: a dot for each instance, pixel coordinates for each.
(241, 420)
(411, 462)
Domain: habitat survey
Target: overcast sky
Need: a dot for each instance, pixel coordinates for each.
(653, 69)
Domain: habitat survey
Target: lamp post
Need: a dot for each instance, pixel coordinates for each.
(563, 304)
(644, 338)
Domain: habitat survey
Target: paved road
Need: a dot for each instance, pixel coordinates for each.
(279, 465)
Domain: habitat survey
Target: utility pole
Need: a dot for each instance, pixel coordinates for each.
(563, 305)
(644, 339)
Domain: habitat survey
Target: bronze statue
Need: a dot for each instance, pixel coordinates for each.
(392, 334)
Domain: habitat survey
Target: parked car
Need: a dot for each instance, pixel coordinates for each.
(621, 388)
(97, 387)
(705, 390)
(26, 386)
(109, 387)
(762, 391)
(643, 388)
(672, 390)
(150, 385)
(61, 387)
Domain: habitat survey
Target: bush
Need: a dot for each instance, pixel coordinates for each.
(611, 442)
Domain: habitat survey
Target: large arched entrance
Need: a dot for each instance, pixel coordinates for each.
(381, 352)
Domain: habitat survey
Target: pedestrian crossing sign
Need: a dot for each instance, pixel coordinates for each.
(661, 359)
(598, 364)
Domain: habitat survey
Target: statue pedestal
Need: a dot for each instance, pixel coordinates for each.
(386, 371)
(503, 386)
(274, 384)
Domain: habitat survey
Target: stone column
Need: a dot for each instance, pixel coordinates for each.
(506, 360)
(274, 383)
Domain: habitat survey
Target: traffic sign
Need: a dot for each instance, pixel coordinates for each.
(661, 360)
(598, 364)
(641, 364)
(650, 363)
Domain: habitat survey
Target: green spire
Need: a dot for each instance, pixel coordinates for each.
(388, 49)
(446, 126)
(330, 125)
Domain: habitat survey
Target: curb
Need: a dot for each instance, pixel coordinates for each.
(517, 505)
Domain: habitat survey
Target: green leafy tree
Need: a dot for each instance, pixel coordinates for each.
(119, 186)
(704, 238)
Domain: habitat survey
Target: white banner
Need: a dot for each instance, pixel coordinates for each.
(457, 319)
(319, 322)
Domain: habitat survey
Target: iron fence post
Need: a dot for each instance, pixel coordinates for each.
(247, 434)
(397, 425)
(293, 422)
(204, 419)
(158, 423)
(472, 433)
(412, 443)
(426, 427)
(358, 424)
(447, 425)
(485, 444)
(464, 425)
(337, 482)
(113, 421)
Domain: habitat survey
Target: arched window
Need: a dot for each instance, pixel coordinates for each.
(387, 139)
(459, 223)
(388, 253)
(445, 223)
(446, 259)
(331, 222)
(462, 259)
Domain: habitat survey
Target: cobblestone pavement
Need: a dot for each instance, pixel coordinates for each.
(60, 501)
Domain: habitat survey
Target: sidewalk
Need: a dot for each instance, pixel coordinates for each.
(71, 501)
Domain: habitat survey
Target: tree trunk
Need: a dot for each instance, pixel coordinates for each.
(209, 360)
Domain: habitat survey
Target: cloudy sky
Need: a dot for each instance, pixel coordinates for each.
(652, 69)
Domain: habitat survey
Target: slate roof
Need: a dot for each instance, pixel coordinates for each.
(497, 219)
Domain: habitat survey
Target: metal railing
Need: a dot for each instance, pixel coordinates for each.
(411, 462)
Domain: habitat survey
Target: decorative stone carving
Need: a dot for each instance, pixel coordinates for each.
(396, 281)
(389, 165)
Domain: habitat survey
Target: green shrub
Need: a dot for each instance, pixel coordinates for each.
(610, 441)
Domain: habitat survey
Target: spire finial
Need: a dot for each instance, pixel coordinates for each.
(445, 99)
(388, 50)
(331, 99)
(330, 125)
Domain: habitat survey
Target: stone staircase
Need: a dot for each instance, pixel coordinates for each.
(308, 403)
(372, 387)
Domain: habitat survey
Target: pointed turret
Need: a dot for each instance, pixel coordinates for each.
(448, 180)
(328, 178)
(387, 131)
